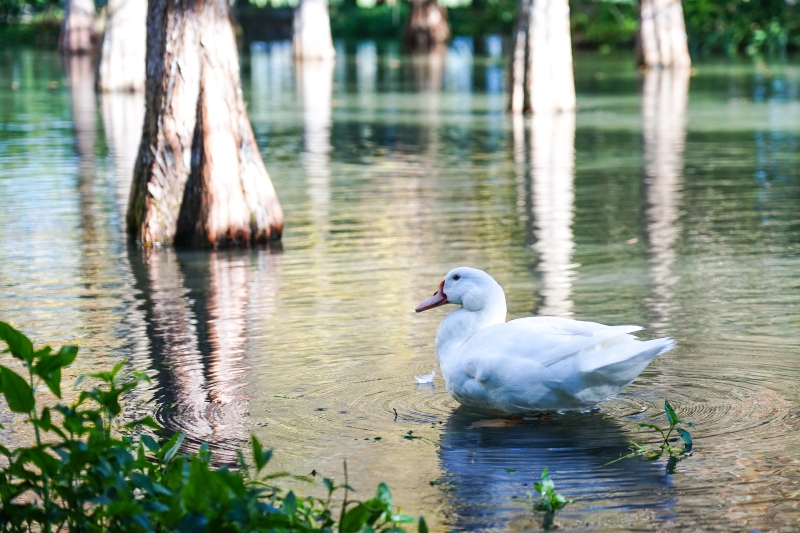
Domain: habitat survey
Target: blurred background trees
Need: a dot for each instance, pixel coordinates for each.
(713, 26)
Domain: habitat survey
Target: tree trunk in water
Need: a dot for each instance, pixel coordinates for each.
(78, 35)
(199, 178)
(541, 78)
(312, 31)
(662, 38)
(427, 26)
(122, 62)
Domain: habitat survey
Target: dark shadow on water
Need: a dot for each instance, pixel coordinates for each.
(490, 465)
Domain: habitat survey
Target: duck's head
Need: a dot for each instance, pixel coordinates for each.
(470, 288)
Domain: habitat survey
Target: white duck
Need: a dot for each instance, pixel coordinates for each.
(529, 364)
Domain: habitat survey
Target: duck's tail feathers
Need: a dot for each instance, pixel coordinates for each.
(632, 358)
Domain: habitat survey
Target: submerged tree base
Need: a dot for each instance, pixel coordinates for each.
(199, 178)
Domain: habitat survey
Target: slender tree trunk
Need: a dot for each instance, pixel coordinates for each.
(78, 35)
(122, 60)
(540, 78)
(312, 31)
(199, 178)
(478, 10)
(427, 26)
(662, 38)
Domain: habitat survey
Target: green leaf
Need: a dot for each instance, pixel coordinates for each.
(116, 369)
(171, 447)
(18, 393)
(146, 422)
(653, 427)
(672, 418)
(19, 345)
(290, 504)
(422, 527)
(150, 443)
(49, 366)
(260, 456)
(687, 440)
(354, 519)
(384, 495)
(141, 376)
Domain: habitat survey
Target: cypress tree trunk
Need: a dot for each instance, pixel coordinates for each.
(124, 46)
(199, 178)
(540, 78)
(78, 35)
(662, 38)
(312, 31)
(426, 27)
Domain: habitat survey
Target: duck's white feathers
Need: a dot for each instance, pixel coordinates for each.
(530, 364)
(546, 363)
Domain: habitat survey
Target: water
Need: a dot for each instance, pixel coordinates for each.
(665, 201)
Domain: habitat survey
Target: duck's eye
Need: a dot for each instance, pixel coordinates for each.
(456, 277)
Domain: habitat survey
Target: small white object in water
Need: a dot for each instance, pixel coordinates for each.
(427, 378)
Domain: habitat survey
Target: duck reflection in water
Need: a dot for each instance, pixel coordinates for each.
(490, 465)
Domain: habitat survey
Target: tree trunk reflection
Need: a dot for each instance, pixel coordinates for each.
(549, 198)
(197, 308)
(315, 85)
(664, 99)
(123, 114)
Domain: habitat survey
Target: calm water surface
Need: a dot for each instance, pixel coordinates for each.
(666, 201)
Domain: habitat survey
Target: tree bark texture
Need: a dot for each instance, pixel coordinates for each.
(662, 38)
(312, 31)
(78, 35)
(427, 27)
(541, 78)
(199, 177)
(122, 60)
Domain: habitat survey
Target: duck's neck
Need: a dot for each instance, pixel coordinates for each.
(462, 324)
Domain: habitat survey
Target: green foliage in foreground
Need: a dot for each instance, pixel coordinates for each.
(551, 502)
(81, 476)
(674, 453)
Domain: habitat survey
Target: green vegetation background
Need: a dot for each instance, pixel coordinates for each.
(714, 27)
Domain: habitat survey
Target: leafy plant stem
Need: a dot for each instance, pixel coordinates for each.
(45, 480)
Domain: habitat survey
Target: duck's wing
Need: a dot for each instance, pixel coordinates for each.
(544, 361)
(547, 340)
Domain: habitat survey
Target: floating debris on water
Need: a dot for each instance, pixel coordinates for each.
(427, 378)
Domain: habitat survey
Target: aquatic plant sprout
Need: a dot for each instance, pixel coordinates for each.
(675, 453)
(551, 501)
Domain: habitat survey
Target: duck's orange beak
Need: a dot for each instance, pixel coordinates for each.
(438, 298)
